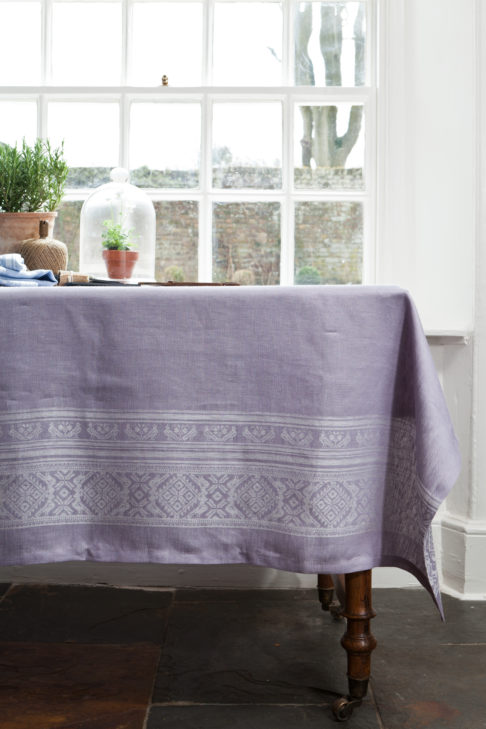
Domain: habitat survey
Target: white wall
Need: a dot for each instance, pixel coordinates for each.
(464, 522)
(427, 122)
(432, 232)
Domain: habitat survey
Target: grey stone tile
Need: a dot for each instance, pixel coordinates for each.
(73, 613)
(256, 649)
(255, 717)
(411, 615)
(242, 595)
(425, 672)
(434, 686)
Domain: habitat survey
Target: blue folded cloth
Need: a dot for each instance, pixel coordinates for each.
(14, 272)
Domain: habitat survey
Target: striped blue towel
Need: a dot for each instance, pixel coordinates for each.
(14, 272)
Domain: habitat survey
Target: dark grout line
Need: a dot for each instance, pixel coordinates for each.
(463, 644)
(164, 636)
(375, 705)
(253, 703)
(2, 597)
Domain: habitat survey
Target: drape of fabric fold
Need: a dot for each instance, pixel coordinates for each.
(300, 428)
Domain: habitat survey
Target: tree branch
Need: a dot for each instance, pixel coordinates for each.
(345, 144)
(331, 42)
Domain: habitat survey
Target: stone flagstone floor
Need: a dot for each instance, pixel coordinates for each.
(79, 657)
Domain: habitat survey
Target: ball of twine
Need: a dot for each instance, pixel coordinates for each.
(44, 253)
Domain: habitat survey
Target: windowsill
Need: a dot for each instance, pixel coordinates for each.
(448, 336)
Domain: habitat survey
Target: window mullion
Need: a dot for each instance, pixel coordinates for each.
(287, 233)
(205, 266)
(126, 41)
(205, 263)
(124, 131)
(369, 203)
(288, 42)
(207, 60)
(46, 42)
(124, 109)
(42, 116)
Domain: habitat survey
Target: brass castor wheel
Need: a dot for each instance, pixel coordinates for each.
(336, 610)
(343, 707)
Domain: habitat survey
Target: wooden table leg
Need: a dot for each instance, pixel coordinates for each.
(325, 589)
(357, 640)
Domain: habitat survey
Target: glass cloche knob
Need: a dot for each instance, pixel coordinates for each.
(119, 174)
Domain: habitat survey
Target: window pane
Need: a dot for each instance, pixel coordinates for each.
(330, 44)
(165, 141)
(176, 241)
(328, 242)
(20, 43)
(167, 39)
(86, 43)
(329, 147)
(246, 242)
(90, 133)
(247, 145)
(247, 47)
(18, 119)
(66, 228)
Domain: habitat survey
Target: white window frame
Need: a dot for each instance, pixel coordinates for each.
(206, 95)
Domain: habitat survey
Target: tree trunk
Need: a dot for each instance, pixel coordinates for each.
(320, 140)
(306, 141)
(331, 42)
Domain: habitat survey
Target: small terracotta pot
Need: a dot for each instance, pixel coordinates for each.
(120, 264)
(17, 227)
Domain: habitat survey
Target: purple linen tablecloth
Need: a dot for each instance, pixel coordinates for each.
(297, 428)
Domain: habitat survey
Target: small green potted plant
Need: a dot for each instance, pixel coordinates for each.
(118, 255)
(32, 181)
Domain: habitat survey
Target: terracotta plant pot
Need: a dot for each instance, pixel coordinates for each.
(120, 264)
(17, 227)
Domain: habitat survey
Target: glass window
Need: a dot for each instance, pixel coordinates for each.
(20, 43)
(247, 145)
(91, 139)
(86, 43)
(247, 46)
(330, 44)
(246, 242)
(258, 155)
(177, 236)
(328, 242)
(165, 142)
(67, 230)
(329, 147)
(166, 40)
(18, 119)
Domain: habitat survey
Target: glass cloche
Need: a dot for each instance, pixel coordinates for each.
(117, 235)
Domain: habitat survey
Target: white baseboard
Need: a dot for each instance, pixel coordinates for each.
(202, 576)
(463, 557)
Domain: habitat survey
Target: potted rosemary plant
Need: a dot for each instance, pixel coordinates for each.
(32, 181)
(118, 255)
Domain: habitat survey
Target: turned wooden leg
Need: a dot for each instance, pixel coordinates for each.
(325, 589)
(357, 640)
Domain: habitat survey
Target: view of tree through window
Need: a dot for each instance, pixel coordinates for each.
(256, 154)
